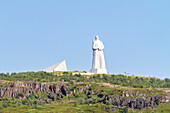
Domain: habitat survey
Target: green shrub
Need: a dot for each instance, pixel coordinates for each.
(12, 85)
(123, 110)
(21, 94)
(158, 102)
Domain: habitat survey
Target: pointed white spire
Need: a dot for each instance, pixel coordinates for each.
(61, 66)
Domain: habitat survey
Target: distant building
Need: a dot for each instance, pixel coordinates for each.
(61, 66)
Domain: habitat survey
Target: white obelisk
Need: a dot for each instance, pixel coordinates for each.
(98, 66)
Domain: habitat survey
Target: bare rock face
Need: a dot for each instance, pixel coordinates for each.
(23, 89)
(12, 89)
(125, 101)
(138, 102)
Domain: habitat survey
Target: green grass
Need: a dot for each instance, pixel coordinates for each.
(72, 108)
(66, 72)
(123, 80)
(132, 83)
(162, 108)
(58, 108)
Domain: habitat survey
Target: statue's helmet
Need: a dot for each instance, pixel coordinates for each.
(97, 37)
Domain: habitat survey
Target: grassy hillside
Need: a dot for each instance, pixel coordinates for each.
(62, 92)
(131, 81)
(83, 102)
(71, 108)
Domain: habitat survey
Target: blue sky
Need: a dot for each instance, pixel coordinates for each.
(36, 34)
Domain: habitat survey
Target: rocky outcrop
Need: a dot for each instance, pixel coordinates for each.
(24, 89)
(128, 98)
(135, 103)
(135, 100)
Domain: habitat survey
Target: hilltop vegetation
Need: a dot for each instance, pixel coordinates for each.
(63, 92)
(131, 81)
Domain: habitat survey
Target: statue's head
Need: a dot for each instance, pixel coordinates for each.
(97, 37)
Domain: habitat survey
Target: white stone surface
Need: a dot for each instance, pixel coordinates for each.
(61, 66)
(98, 66)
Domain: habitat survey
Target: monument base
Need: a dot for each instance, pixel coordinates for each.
(98, 71)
